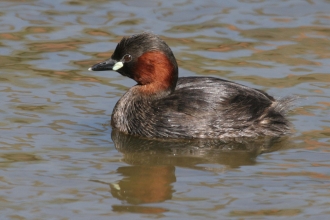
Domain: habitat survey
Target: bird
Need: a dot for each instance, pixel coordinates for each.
(163, 105)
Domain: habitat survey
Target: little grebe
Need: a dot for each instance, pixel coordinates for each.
(161, 105)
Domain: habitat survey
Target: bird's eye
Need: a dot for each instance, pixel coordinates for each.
(127, 58)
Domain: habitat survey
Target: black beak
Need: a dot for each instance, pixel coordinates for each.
(105, 65)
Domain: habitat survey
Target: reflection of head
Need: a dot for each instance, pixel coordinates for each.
(144, 184)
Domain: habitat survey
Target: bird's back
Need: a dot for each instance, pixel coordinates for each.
(207, 107)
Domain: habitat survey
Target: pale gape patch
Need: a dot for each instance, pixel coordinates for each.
(118, 65)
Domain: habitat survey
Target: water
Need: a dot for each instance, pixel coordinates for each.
(59, 160)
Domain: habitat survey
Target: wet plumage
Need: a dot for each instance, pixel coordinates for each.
(162, 105)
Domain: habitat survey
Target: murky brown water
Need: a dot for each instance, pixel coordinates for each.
(59, 159)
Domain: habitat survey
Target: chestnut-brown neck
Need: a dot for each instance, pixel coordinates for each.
(155, 73)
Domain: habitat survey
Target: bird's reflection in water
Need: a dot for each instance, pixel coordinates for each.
(151, 174)
(189, 153)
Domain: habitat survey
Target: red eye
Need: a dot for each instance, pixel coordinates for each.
(127, 58)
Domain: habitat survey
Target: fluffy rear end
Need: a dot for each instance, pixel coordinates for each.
(273, 121)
